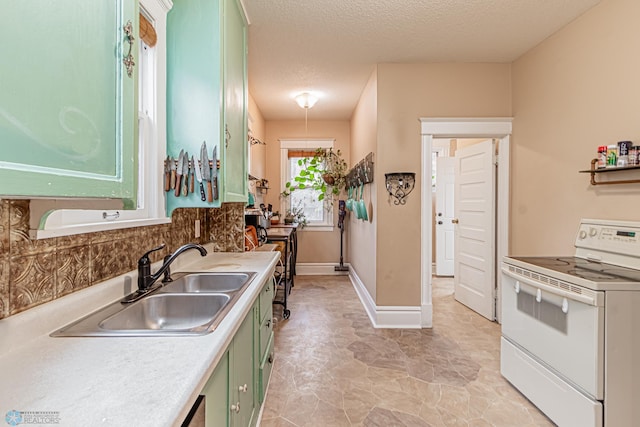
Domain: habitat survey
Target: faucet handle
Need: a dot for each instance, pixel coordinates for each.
(144, 259)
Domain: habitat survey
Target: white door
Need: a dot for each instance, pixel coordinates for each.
(445, 179)
(474, 254)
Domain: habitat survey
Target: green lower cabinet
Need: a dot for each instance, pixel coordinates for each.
(242, 369)
(216, 393)
(265, 339)
(230, 393)
(236, 390)
(265, 369)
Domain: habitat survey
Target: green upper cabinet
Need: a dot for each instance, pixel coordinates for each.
(207, 92)
(68, 112)
(235, 102)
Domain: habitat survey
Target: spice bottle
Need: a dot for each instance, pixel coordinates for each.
(612, 156)
(633, 155)
(602, 156)
(623, 153)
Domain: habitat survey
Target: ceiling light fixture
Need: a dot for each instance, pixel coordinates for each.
(306, 100)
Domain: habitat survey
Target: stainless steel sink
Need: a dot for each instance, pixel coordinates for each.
(208, 282)
(194, 304)
(168, 312)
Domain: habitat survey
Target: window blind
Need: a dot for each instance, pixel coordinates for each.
(147, 32)
(300, 153)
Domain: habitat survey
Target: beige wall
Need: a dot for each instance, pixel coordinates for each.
(362, 234)
(313, 246)
(407, 92)
(258, 152)
(577, 90)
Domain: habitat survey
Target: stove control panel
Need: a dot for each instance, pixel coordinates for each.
(616, 242)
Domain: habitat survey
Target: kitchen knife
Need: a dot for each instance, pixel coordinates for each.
(185, 174)
(192, 173)
(179, 173)
(206, 171)
(196, 168)
(215, 173)
(167, 173)
(173, 174)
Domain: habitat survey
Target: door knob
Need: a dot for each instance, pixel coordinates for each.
(454, 221)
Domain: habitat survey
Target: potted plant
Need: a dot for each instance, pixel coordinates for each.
(325, 172)
(296, 215)
(275, 218)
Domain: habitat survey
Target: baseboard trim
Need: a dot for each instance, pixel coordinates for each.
(386, 317)
(318, 269)
(427, 315)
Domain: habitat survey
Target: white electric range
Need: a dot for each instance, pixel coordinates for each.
(571, 327)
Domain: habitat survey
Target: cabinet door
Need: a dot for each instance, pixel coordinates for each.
(207, 92)
(242, 390)
(216, 393)
(68, 117)
(234, 167)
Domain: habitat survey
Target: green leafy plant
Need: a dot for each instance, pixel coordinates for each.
(325, 172)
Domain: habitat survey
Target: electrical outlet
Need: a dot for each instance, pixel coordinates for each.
(197, 231)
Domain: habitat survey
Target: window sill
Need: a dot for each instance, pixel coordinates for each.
(92, 228)
(318, 228)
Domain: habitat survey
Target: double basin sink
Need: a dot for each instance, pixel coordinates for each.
(192, 304)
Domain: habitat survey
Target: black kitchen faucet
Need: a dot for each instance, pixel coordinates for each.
(146, 279)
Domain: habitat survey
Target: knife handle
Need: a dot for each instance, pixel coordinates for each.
(209, 192)
(167, 181)
(191, 182)
(215, 188)
(203, 196)
(173, 180)
(178, 182)
(185, 185)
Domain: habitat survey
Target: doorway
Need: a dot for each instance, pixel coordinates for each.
(483, 129)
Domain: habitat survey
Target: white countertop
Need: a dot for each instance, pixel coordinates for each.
(128, 381)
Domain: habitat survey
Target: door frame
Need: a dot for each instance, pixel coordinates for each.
(499, 128)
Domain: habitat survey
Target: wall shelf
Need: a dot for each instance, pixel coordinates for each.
(594, 171)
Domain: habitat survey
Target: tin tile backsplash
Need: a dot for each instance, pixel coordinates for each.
(33, 272)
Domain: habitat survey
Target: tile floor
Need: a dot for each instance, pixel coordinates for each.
(334, 369)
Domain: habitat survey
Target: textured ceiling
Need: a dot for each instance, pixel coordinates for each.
(330, 47)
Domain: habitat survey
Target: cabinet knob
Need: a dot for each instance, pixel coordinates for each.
(454, 221)
(243, 388)
(235, 407)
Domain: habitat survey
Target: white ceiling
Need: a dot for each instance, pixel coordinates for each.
(331, 46)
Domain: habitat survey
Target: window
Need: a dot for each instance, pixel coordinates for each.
(319, 214)
(439, 148)
(151, 143)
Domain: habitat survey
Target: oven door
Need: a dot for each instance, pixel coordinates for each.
(562, 329)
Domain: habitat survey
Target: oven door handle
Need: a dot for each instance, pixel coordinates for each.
(587, 299)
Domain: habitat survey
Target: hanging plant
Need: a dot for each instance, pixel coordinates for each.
(325, 172)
